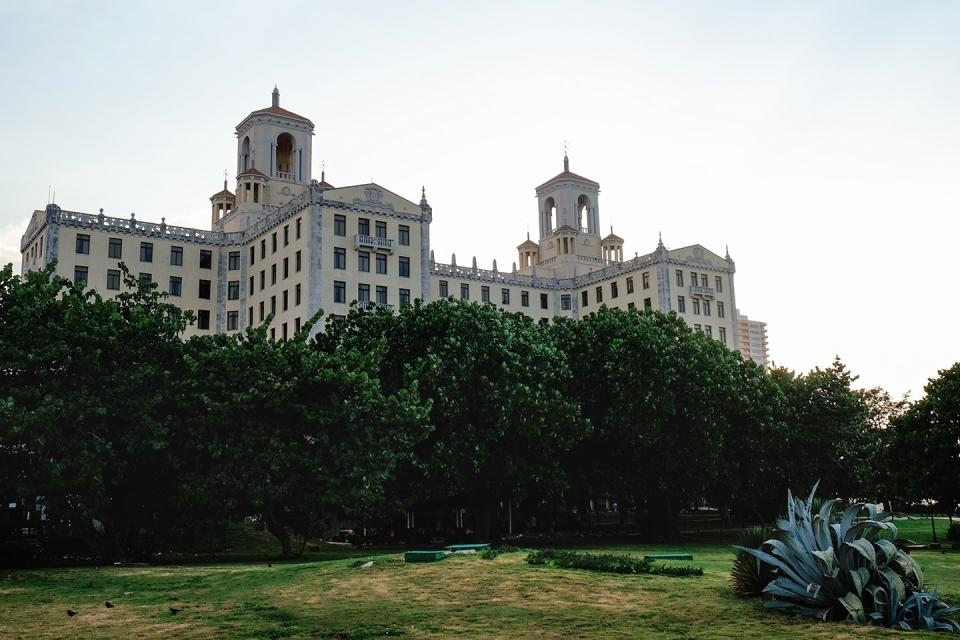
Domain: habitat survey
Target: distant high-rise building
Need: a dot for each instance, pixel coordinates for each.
(753, 340)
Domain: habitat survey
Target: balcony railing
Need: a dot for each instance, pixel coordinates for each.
(703, 292)
(284, 175)
(370, 304)
(372, 242)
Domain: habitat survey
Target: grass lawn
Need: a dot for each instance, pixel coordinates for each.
(461, 597)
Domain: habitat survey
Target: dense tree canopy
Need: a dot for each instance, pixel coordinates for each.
(136, 438)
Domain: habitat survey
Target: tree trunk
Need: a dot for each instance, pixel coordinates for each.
(284, 535)
(487, 529)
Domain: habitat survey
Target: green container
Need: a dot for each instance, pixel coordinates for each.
(460, 548)
(424, 556)
(669, 556)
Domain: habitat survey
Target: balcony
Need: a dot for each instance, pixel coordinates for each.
(283, 175)
(370, 304)
(701, 292)
(372, 242)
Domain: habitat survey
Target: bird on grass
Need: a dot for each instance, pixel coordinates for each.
(71, 612)
(108, 605)
(175, 611)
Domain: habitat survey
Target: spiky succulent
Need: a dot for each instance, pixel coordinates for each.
(846, 568)
(749, 575)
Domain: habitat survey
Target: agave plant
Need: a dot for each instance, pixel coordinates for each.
(846, 568)
(749, 575)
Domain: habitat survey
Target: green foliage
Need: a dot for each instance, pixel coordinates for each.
(749, 575)
(493, 552)
(847, 568)
(607, 563)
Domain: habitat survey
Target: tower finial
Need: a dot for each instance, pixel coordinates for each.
(566, 160)
(323, 171)
(423, 196)
(276, 96)
(728, 253)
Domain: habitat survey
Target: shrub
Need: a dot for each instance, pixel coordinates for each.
(953, 533)
(749, 575)
(493, 552)
(847, 568)
(607, 563)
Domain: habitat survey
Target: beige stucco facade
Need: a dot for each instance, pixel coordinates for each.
(285, 244)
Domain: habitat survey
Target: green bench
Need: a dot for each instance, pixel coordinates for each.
(424, 556)
(467, 548)
(669, 556)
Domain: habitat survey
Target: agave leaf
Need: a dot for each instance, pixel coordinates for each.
(854, 608)
(826, 509)
(813, 492)
(888, 551)
(773, 561)
(790, 607)
(879, 599)
(847, 520)
(828, 562)
(894, 583)
(858, 579)
(857, 553)
(794, 592)
(790, 515)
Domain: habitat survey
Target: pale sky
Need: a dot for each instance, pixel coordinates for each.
(819, 140)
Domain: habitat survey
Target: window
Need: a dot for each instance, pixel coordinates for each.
(273, 305)
(543, 301)
(176, 286)
(286, 268)
(286, 234)
(263, 248)
(273, 242)
(339, 291)
(681, 304)
(263, 279)
(284, 327)
(273, 273)
(706, 307)
(299, 221)
(250, 316)
(718, 284)
(646, 279)
(404, 231)
(505, 296)
(339, 225)
(113, 279)
(298, 258)
(703, 280)
(444, 289)
(296, 322)
(233, 290)
(363, 261)
(679, 278)
(233, 320)
(723, 334)
(286, 299)
(253, 256)
(381, 263)
(404, 297)
(203, 319)
(381, 228)
(707, 329)
(251, 285)
(261, 311)
(83, 243)
(176, 256)
(629, 285)
(206, 259)
(614, 291)
(696, 306)
(464, 291)
(631, 305)
(145, 278)
(146, 252)
(115, 248)
(524, 298)
(273, 333)
(363, 293)
(647, 304)
(583, 298)
(296, 295)
(80, 275)
(696, 327)
(599, 295)
(339, 258)
(484, 294)
(381, 295)
(205, 289)
(363, 226)
(565, 303)
(720, 313)
(404, 266)
(233, 261)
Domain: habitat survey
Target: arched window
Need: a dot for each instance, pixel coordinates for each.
(583, 211)
(285, 156)
(245, 154)
(549, 214)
